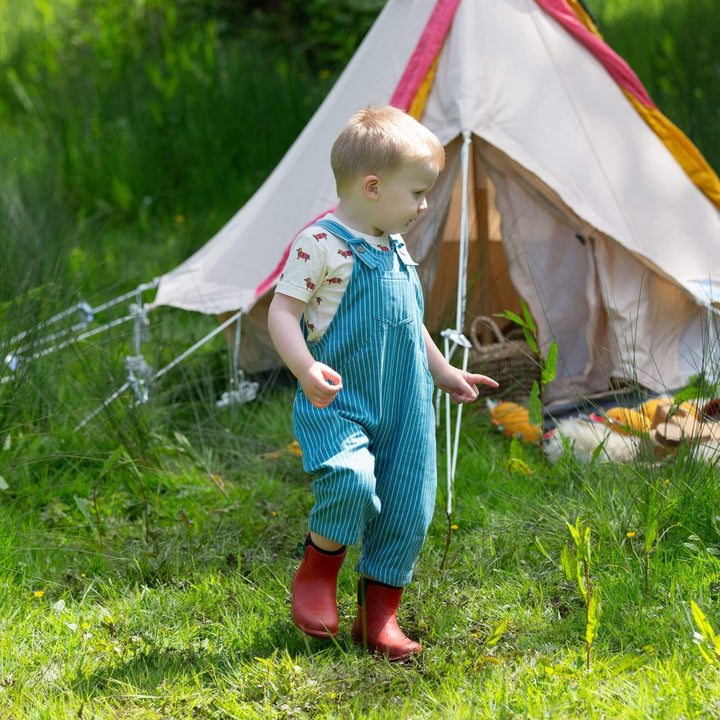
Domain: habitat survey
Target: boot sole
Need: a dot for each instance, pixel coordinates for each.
(322, 634)
(386, 654)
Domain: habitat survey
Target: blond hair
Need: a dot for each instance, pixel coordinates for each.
(381, 138)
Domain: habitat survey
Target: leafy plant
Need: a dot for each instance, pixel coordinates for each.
(707, 640)
(577, 569)
(489, 641)
(657, 510)
(548, 364)
(516, 462)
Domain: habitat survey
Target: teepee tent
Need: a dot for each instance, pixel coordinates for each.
(564, 186)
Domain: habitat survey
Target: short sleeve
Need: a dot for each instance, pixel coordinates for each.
(304, 269)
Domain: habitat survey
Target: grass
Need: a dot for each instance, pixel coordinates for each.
(146, 559)
(161, 589)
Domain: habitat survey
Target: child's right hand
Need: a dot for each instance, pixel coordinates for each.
(321, 384)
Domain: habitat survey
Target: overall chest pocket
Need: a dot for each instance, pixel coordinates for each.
(397, 305)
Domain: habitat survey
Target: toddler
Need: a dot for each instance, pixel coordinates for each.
(347, 319)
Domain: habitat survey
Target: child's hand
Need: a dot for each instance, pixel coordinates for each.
(460, 385)
(320, 384)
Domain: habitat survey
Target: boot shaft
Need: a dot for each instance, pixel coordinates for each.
(314, 591)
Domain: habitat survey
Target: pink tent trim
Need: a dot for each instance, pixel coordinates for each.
(425, 52)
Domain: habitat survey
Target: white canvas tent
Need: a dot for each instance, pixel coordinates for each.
(570, 201)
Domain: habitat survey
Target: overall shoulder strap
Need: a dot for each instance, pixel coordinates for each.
(336, 229)
(356, 242)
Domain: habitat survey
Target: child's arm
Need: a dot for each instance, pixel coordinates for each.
(319, 382)
(458, 384)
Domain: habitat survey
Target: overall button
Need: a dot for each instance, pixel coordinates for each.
(361, 249)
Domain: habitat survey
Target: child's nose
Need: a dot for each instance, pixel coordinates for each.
(423, 205)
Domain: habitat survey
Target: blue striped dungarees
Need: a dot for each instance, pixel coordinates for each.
(372, 450)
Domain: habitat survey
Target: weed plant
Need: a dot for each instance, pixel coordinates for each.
(146, 558)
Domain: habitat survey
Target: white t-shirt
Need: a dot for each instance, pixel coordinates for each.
(317, 272)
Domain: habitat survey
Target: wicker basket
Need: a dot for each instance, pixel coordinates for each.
(511, 362)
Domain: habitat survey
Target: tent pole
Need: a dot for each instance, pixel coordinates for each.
(87, 315)
(197, 345)
(464, 237)
(456, 336)
(242, 390)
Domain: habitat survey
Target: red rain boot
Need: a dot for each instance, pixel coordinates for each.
(314, 603)
(375, 627)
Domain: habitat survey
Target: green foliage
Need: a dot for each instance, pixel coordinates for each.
(548, 363)
(324, 32)
(145, 115)
(577, 569)
(127, 114)
(706, 639)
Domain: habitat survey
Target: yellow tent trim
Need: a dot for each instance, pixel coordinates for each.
(417, 106)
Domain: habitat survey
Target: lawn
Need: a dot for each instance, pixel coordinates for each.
(154, 583)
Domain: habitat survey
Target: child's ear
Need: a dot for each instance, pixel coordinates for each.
(371, 187)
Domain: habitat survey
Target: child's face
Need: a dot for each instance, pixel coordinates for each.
(401, 195)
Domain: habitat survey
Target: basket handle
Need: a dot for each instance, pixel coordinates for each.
(488, 322)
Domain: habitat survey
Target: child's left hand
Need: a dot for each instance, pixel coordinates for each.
(460, 385)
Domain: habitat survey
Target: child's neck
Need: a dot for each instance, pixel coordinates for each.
(355, 220)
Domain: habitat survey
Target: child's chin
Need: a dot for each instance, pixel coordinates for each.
(399, 229)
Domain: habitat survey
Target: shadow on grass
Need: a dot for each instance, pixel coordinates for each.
(146, 672)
